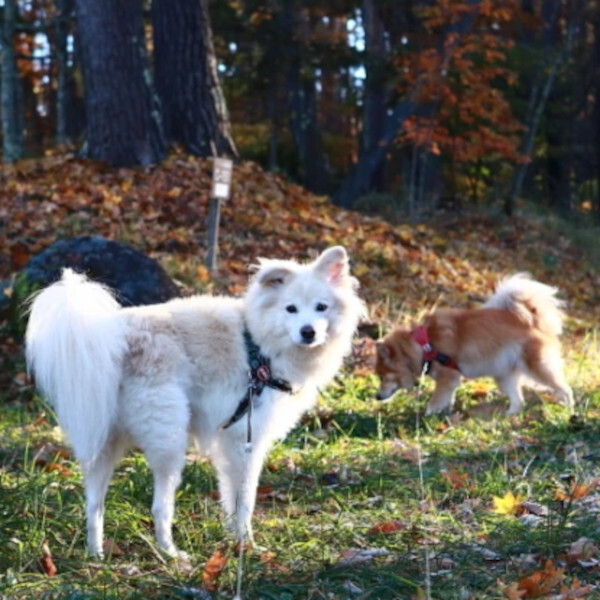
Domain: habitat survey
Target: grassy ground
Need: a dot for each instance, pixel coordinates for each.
(363, 500)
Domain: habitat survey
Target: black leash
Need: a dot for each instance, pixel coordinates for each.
(259, 376)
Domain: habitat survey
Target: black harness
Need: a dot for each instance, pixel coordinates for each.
(259, 376)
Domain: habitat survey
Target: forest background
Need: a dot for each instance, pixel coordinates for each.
(384, 105)
(463, 136)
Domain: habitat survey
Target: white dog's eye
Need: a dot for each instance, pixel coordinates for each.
(291, 308)
(321, 307)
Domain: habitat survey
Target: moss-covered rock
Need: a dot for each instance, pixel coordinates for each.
(136, 278)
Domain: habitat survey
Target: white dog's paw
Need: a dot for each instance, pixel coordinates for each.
(511, 412)
(173, 553)
(514, 409)
(178, 559)
(96, 551)
(181, 556)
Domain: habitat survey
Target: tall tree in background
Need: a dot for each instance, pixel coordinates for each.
(595, 60)
(376, 85)
(122, 117)
(193, 108)
(12, 140)
(64, 10)
(413, 98)
(556, 51)
(301, 97)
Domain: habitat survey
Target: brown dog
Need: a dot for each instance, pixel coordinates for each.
(512, 338)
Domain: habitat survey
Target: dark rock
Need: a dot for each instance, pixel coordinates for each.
(136, 278)
(5, 293)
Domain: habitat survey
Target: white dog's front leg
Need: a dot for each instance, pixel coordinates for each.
(238, 469)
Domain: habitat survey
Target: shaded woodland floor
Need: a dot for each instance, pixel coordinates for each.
(362, 500)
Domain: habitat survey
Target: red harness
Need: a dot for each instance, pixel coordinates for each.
(429, 352)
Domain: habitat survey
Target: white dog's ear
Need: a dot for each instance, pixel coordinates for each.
(333, 262)
(273, 276)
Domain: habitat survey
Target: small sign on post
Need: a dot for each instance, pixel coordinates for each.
(221, 188)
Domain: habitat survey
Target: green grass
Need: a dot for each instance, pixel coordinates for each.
(351, 465)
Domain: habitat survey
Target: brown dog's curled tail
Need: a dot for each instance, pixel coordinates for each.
(534, 302)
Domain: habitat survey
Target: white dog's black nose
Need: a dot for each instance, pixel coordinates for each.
(308, 334)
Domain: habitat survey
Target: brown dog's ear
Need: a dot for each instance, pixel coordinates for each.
(333, 262)
(273, 276)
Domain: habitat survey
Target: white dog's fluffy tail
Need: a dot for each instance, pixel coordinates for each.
(534, 302)
(75, 341)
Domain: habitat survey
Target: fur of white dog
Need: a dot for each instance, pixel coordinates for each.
(150, 376)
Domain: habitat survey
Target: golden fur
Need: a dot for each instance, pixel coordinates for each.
(513, 338)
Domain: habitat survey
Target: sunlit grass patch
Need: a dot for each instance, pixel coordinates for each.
(363, 497)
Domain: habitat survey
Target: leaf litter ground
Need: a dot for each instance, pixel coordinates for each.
(363, 500)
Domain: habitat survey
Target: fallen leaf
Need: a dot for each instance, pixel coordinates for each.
(387, 527)
(582, 549)
(213, 568)
(540, 583)
(110, 548)
(354, 556)
(576, 590)
(534, 508)
(577, 492)
(512, 592)
(455, 479)
(508, 504)
(46, 562)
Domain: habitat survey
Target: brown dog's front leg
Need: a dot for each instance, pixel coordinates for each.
(446, 382)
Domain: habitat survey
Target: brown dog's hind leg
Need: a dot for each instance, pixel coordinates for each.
(554, 380)
(511, 386)
(545, 365)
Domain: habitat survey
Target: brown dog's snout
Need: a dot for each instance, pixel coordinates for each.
(387, 389)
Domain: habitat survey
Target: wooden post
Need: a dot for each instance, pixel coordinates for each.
(221, 187)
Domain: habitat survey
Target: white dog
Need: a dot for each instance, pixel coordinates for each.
(149, 376)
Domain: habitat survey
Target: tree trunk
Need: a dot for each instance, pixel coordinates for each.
(193, 106)
(376, 93)
(122, 116)
(273, 118)
(302, 103)
(12, 137)
(63, 101)
(559, 151)
(360, 179)
(539, 103)
(596, 117)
